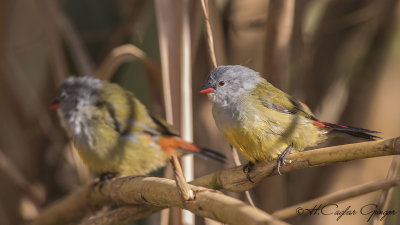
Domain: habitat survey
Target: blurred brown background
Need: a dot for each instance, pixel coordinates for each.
(339, 57)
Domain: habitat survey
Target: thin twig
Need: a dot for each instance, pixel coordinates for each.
(335, 197)
(181, 184)
(117, 57)
(210, 39)
(237, 162)
(81, 168)
(128, 53)
(249, 199)
(384, 198)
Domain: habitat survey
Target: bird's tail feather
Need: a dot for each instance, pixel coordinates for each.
(353, 131)
(208, 153)
(170, 144)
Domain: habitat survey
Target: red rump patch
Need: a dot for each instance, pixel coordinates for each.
(318, 124)
(342, 126)
(353, 131)
(170, 144)
(327, 125)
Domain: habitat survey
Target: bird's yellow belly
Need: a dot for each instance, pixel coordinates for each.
(253, 147)
(133, 155)
(262, 138)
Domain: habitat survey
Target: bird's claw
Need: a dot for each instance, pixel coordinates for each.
(105, 177)
(248, 167)
(281, 158)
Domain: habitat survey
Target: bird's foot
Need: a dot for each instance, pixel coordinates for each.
(105, 177)
(247, 168)
(282, 156)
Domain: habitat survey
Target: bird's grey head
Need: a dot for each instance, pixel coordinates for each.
(75, 93)
(226, 84)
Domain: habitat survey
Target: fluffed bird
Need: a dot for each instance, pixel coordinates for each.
(263, 122)
(114, 133)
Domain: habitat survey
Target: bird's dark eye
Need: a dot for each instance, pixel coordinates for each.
(221, 83)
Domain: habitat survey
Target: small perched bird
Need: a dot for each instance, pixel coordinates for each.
(113, 132)
(263, 122)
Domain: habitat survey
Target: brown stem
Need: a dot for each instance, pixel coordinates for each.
(233, 179)
(162, 193)
(156, 192)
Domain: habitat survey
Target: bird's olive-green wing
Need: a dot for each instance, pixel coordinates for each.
(143, 121)
(164, 127)
(275, 99)
(121, 106)
(125, 113)
(130, 115)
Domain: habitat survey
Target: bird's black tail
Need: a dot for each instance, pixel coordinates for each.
(353, 131)
(208, 153)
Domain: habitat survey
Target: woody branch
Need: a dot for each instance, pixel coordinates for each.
(72, 208)
(155, 192)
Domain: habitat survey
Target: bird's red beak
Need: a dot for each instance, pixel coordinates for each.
(55, 105)
(207, 90)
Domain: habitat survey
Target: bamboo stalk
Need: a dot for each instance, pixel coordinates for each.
(186, 103)
(165, 65)
(162, 35)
